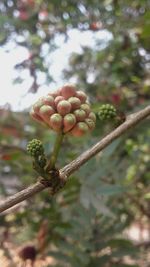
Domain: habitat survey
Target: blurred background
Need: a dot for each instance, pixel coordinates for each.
(101, 217)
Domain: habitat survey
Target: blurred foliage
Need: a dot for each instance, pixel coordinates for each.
(88, 218)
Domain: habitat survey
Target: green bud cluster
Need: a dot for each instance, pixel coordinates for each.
(106, 112)
(35, 148)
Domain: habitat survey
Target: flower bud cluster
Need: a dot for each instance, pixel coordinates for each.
(35, 148)
(65, 110)
(106, 112)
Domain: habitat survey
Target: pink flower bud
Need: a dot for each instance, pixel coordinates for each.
(75, 102)
(80, 129)
(86, 108)
(68, 91)
(35, 116)
(69, 122)
(45, 112)
(49, 100)
(90, 123)
(54, 94)
(56, 122)
(80, 114)
(59, 91)
(92, 116)
(58, 99)
(63, 107)
(38, 104)
(82, 96)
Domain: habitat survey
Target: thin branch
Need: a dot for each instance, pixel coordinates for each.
(131, 121)
(21, 196)
(65, 172)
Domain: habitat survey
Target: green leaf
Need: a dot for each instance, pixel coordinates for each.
(111, 189)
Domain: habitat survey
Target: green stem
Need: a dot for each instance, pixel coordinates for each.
(55, 152)
(37, 168)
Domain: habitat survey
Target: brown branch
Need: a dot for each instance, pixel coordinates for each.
(21, 196)
(131, 121)
(65, 172)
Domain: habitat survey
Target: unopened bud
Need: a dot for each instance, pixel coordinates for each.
(92, 116)
(35, 148)
(38, 104)
(68, 91)
(75, 103)
(28, 253)
(82, 96)
(63, 107)
(80, 114)
(80, 129)
(86, 108)
(69, 122)
(56, 122)
(58, 99)
(49, 100)
(54, 94)
(35, 116)
(107, 112)
(90, 123)
(45, 112)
